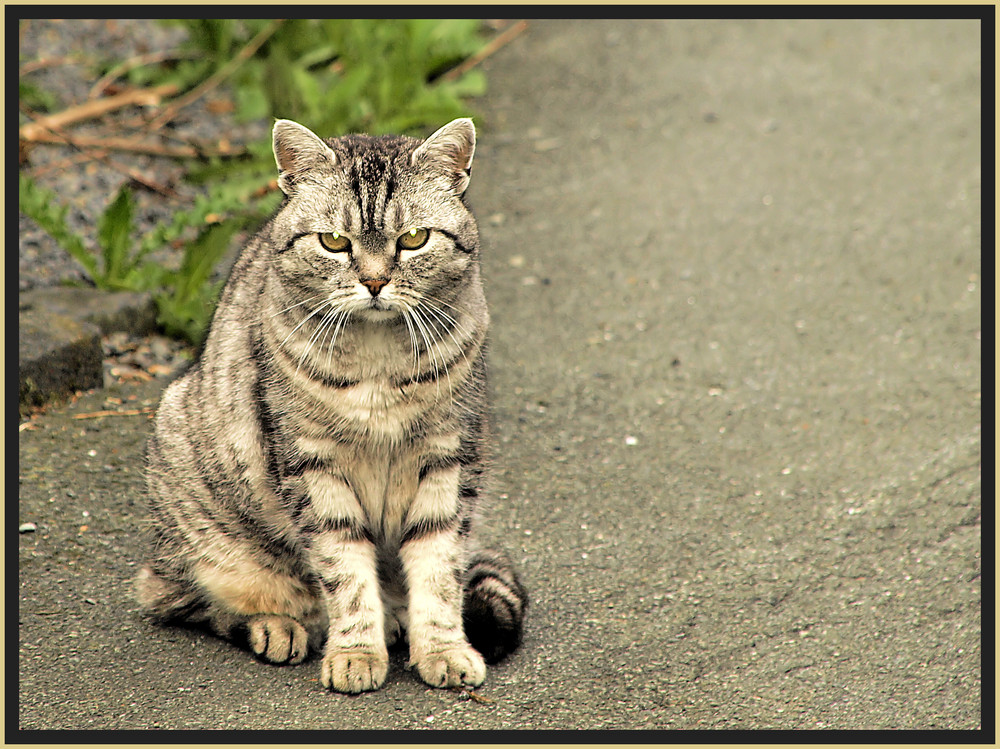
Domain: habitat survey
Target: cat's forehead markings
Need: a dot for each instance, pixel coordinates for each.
(372, 187)
(371, 174)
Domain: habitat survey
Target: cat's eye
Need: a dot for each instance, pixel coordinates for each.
(334, 242)
(413, 239)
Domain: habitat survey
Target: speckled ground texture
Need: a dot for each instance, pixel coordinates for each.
(734, 269)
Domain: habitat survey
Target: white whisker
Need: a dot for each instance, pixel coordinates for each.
(481, 352)
(430, 298)
(331, 308)
(297, 304)
(343, 315)
(442, 317)
(322, 329)
(326, 303)
(429, 345)
(414, 349)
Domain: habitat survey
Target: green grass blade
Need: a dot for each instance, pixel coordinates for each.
(115, 231)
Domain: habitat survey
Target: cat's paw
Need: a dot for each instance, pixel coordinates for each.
(278, 639)
(456, 667)
(354, 671)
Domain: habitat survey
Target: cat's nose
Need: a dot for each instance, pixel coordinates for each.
(375, 285)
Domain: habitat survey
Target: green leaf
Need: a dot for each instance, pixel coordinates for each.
(187, 317)
(252, 103)
(233, 196)
(317, 56)
(203, 254)
(187, 306)
(114, 234)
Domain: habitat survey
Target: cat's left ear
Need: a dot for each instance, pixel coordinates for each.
(297, 150)
(449, 151)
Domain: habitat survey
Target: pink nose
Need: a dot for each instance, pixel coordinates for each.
(375, 285)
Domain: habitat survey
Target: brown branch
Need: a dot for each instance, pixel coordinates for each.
(140, 179)
(95, 108)
(127, 412)
(498, 41)
(470, 694)
(51, 62)
(133, 145)
(129, 64)
(216, 78)
(102, 156)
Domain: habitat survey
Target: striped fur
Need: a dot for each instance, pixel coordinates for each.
(315, 474)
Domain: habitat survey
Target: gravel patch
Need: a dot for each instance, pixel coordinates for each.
(129, 358)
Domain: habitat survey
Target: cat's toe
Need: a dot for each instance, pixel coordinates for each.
(354, 671)
(457, 667)
(278, 639)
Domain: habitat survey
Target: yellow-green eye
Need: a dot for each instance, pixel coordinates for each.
(334, 242)
(413, 239)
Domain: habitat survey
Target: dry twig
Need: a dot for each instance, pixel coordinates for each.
(129, 64)
(498, 41)
(102, 155)
(127, 412)
(136, 146)
(470, 694)
(70, 161)
(34, 131)
(51, 62)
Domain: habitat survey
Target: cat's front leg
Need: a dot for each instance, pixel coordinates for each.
(431, 553)
(344, 560)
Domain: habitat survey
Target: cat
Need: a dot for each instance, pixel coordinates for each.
(316, 472)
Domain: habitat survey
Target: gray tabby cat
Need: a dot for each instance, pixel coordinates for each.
(317, 471)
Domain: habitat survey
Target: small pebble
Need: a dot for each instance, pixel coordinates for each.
(27, 528)
(161, 348)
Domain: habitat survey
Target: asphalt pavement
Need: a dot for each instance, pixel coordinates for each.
(735, 276)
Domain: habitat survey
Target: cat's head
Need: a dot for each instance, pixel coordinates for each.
(377, 225)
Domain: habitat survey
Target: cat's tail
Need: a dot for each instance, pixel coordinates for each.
(495, 604)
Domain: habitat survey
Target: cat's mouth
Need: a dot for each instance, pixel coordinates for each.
(378, 309)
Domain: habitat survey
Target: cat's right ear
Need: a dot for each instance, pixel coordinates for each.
(297, 150)
(449, 151)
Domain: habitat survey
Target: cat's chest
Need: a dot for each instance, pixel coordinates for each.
(371, 402)
(377, 405)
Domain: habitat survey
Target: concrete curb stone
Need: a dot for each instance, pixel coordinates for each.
(59, 338)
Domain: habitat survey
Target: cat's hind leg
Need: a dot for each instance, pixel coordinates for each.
(275, 616)
(271, 637)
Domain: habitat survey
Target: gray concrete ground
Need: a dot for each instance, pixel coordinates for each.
(735, 277)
